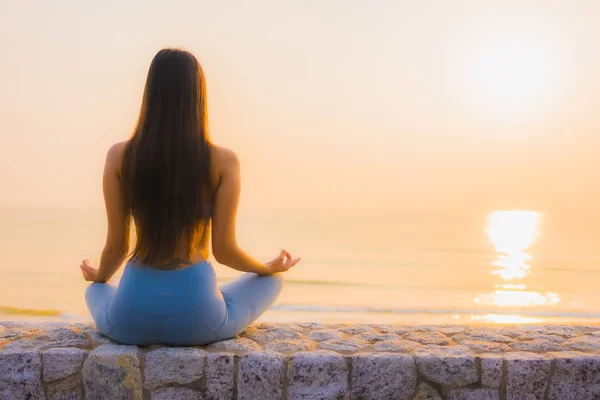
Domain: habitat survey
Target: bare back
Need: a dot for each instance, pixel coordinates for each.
(225, 181)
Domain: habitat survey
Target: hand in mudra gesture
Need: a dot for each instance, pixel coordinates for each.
(89, 272)
(282, 262)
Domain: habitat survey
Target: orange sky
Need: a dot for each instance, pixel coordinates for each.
(388, 104)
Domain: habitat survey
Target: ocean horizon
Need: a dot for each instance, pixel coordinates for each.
(365, 266)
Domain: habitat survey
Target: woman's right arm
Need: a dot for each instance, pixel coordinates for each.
(224, 243)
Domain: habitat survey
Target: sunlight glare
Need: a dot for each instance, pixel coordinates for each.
(506, 319)
(513, 71)
(512, 233)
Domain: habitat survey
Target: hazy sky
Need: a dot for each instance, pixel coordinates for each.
(371, 104)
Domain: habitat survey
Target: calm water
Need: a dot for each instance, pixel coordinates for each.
(367, 266)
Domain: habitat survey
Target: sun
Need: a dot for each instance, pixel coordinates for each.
(513, 71)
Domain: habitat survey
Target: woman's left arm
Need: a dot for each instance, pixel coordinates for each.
(117, 238)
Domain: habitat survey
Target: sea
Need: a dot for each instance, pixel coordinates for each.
(358, 266)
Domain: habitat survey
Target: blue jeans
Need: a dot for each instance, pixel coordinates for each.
(181, 307)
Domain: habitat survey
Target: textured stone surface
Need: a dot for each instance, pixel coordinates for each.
(275, 332)
(173, 365)
(491, 370)
(176, 393)
(576, 376)
(376, 336)
(286, 346)
(343, 345)
(538, 346)
(426, 392)
(219, 376)
(311, 325)
(526, 375)
(400, 346)
(395, 329)
(484, 336)
(62, 362)
(65, 389)
(480, 346)
(354, 329)
(423, 328)
(260, 376)
(34, 338)
(450, 366)
(383, 376)
(583, 343)
(317, 375)
(112, 372)
(472, 394)
(539, 336)
(452, 330)
(98, 339)
(12, 332)
(325, 334)
(564, 331)
(437, 338)
(48, 360)
(236, 344)
(20, 375)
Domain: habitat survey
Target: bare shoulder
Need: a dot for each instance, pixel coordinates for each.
(224, 159)
(114, 157)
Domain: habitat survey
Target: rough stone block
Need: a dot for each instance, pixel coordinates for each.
(376, 336)
(428, 337)
(20, 375)
(383, 376)
(452, 330)
(238, 344)
(491, 370)
(450, 366)
(168, 365)
(112, 372)
(561, 330)
(479, 346)
(526, 376)
(47, 337)
(347, 345)
(537, 345)
(354, 329)
(62, 362)
(483, 336)
(286, 346)
(472, 394)
(426, 392)
(260, 376)
(538, 336)
(275, 332)
(399, 346)
(576, 376)
(325, 334)
(176, 393)
(219, 376)
(583, 343)
(317, 375)
(65, 389)
(98, 339)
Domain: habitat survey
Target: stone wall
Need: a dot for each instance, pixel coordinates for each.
(306, 361)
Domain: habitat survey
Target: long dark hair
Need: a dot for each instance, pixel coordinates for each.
(166, 167)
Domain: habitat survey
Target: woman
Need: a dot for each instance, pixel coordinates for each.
(178, 188)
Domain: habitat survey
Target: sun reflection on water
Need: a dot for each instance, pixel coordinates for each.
(512, 233)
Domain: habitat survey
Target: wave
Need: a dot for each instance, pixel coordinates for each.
(31, 312)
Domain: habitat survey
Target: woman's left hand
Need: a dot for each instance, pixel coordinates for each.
(89, 272)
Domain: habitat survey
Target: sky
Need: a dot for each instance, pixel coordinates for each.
(411, 105)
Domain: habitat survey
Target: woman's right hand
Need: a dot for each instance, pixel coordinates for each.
(282, 262)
